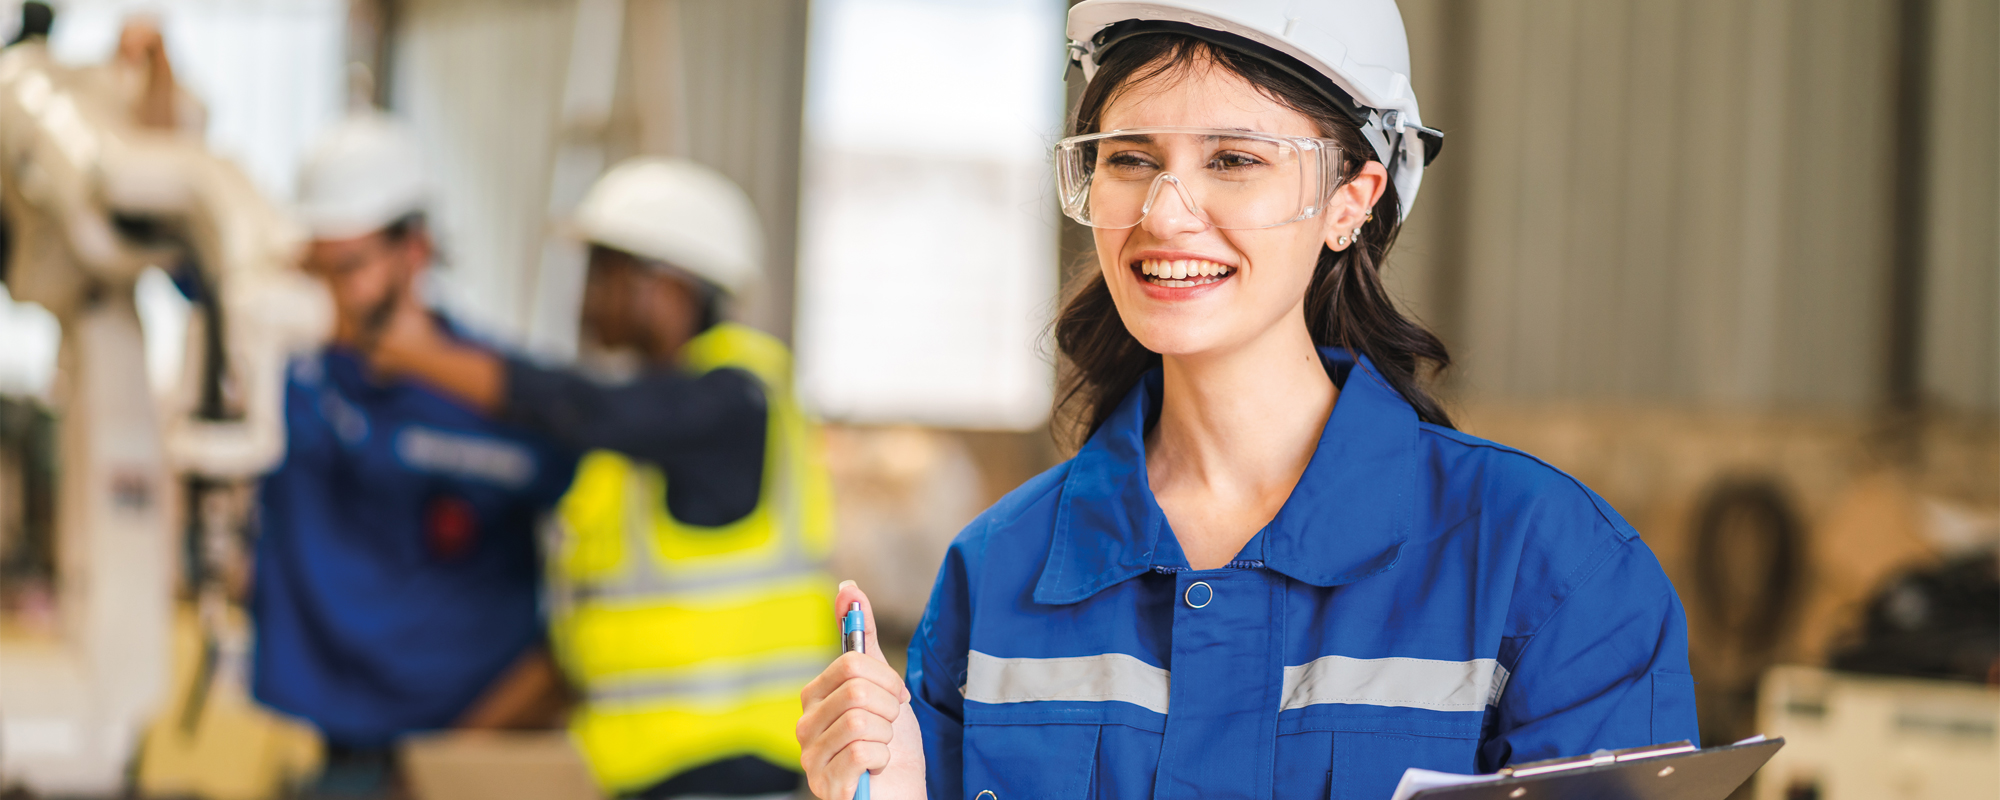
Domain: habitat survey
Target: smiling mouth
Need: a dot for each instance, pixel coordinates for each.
(1181, 273)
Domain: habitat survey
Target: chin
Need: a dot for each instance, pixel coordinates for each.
(1167, 336)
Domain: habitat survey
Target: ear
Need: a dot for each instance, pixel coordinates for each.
(1352, 202)
(416, 252)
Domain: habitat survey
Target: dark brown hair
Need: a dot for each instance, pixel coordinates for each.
(1346, 305)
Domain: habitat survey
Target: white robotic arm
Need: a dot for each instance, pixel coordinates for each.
(90, 199)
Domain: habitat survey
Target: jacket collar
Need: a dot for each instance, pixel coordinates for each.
(1346, 520)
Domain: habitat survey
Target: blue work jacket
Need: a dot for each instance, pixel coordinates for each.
(1423, 599)
(397, 572)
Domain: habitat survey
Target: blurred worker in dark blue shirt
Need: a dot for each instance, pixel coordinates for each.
(397, 584)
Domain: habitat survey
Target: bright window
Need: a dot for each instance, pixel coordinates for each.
(928, 232)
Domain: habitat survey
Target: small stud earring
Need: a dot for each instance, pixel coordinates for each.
(1342, 241)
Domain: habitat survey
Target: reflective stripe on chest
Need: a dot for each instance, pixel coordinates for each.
(1116, 677)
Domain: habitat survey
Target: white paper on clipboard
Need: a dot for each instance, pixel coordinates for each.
(1416, 780)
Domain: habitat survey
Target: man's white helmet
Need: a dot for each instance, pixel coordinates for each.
(1355, 51)
(678, 213)
(361, 176)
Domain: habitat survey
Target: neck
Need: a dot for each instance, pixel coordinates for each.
(1238, 428)
(664, 350)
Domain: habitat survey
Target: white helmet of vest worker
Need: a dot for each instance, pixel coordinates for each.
(678, 213)
(361, 176)
(1354, 51)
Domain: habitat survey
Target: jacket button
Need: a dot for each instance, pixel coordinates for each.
(1199, 594)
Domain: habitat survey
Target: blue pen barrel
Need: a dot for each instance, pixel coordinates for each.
(853, 639)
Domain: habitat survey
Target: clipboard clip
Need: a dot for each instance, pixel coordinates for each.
(1597, 759)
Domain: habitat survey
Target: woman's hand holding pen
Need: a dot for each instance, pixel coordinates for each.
(857, 716)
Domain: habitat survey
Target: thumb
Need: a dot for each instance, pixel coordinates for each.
(844, 599)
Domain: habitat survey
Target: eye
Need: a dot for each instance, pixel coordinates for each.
(1233, 160)
(1126, 160)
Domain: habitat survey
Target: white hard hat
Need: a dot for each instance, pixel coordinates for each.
(679, 213)
(361, 176)
(1354, 51)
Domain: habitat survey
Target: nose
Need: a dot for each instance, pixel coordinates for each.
(1170, 209)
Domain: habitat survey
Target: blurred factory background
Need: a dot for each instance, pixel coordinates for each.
(1733, 263)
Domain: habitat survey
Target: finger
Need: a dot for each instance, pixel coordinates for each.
(849, 594)
(841, 774)
(858, 757)
(856, 727)
(866, 695)
(852, 667)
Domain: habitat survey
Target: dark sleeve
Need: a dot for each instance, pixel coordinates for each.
(662, 416)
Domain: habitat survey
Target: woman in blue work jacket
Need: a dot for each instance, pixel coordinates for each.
(1274, 570)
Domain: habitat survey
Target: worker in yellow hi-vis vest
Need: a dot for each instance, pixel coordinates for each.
(692, 598)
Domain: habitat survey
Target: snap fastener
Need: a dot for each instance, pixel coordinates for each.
(1199, 599)
(986, 795)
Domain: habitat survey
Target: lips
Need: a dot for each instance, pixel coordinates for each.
(1181, 273)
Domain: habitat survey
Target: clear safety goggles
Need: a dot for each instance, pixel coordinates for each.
(1230, 179)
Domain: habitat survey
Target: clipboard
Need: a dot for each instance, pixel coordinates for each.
(1677, 771)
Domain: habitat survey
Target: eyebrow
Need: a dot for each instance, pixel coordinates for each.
(1147, 138)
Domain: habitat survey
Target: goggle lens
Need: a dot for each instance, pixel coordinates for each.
(1229, 179)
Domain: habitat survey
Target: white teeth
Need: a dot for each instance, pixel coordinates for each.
(1179, 272)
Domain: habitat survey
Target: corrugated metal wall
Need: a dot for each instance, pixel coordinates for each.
(1961, 334)
(1693, 201)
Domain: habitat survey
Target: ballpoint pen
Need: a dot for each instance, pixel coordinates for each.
(854, 640)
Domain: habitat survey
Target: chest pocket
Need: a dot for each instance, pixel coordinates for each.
(1064, 759)
(1356, 752)
(1367, 765)
(1364, 763)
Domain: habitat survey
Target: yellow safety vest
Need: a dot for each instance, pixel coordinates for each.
(690, 644)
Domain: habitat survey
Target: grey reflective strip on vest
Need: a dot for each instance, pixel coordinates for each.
(650, 586)
(1112, 676)
(791, 677)
(1401, 682)
(645, 581)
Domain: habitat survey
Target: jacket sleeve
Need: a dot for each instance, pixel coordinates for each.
(652, 417)
(1607, 670)
(936, 670)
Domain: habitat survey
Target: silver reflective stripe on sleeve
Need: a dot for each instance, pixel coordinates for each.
(1401, 682)
(1112, 676)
